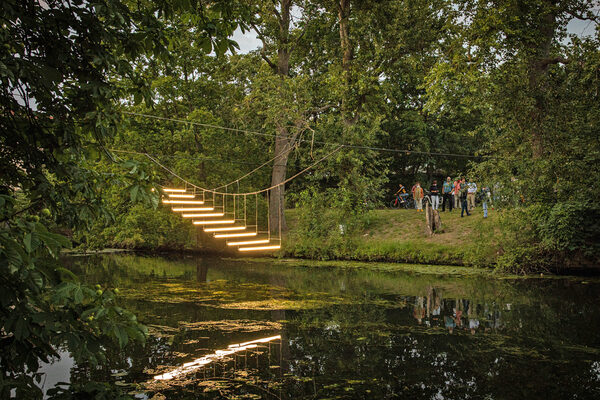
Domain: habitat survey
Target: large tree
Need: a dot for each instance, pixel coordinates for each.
(286, 108)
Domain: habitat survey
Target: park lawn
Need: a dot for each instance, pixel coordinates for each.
(400, 236)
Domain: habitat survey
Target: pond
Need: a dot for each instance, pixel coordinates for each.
(227, 328)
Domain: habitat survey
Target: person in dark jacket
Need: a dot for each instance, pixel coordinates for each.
(463, 198)
(435, 195)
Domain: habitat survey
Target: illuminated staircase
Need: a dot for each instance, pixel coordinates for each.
(214, 220)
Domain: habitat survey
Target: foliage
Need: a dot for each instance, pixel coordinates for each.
(534, 90)
(536, 237)
(143, 227)
(60, 67)
(44, 307)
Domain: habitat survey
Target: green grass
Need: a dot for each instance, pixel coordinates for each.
(400, 236)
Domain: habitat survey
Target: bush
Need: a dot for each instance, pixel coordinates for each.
(144, 228)
(327, 222)
(537, 237)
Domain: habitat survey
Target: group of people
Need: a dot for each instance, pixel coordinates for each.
(452, 194)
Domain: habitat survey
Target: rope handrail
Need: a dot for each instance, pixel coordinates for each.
(286, 151)
(225, 193)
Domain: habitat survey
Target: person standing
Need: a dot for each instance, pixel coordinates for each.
(435, 195)
(447, 193)
(485, 198)
(456, 193)
(463, 198)
(418, 196)
(472, 189)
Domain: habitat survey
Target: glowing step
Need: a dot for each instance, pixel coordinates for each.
(191, 209)
(247, 242)
(183, 202)
(225, 229)
(218, 222)
(202, 215)
(234, 235)
(260, 248)
(174, 190)
(182, 196)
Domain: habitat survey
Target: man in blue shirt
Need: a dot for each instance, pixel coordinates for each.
(447, 193)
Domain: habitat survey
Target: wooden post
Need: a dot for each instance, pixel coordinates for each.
(432, 220)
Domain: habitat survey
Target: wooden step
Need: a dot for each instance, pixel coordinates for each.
(183, 202)
(224, 229)
(248, 242)
(234, 235)
(261, 248)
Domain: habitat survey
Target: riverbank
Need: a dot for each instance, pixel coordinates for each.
(397, 236)
(400, 236)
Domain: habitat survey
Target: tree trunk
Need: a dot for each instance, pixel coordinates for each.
(344, 16)
(277, 195)
(538, 67)
(347, 55)
(279, 173)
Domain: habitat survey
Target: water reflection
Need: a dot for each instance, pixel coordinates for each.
(458, 314)
(353, 333)
(222, 356)
(201, 269)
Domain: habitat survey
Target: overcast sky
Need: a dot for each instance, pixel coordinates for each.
(248, 41)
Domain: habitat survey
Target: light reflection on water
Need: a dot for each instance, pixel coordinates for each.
(352, 333)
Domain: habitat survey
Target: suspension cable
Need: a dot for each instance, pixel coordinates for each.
(214, 192)
(281, 154)
(245, 131)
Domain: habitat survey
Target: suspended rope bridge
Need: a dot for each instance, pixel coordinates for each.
(234, 216)
(227, 215)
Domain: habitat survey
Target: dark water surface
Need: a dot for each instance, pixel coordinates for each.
(346, 332)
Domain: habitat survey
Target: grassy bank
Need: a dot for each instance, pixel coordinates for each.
(379, 235)
(400, 236)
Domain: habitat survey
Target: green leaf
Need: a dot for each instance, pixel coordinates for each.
(133, 193)
(21, 329)
(121, 335)
(78, 295)
(37, 279)
(27, 242)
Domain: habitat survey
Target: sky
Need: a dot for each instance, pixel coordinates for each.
(249, 41)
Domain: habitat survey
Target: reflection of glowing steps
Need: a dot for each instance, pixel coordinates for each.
(218, 355)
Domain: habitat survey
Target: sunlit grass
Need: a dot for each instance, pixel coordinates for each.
(400, 236)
